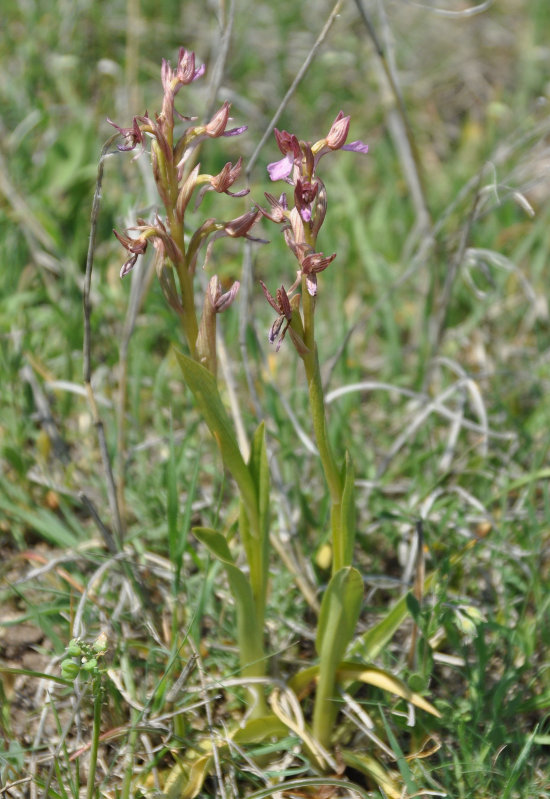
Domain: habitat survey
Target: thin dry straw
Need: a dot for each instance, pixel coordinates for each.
(462, 14)
(430, 405)
(87, 352)
(444, 301)
(401, 128)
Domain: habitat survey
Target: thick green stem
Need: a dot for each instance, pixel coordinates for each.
(316, 397)
(318, 418)
(339, 558)
(341, 520)
(189, 315)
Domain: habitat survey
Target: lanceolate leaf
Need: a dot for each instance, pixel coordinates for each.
(256, 540)
(339, 614)
(348, 511)
(257, 730)
(249, 635)
(337, 620)
(259, 469)
(358, 672)
(205, 391)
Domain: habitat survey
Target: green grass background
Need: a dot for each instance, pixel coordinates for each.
(476, 89)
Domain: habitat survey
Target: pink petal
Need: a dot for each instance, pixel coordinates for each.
(279, 170)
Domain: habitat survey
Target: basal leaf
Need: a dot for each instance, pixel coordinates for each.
(249, 635)
(339, 614)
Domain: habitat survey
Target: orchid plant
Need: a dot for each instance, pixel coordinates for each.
(300, 215)
(301, 221)
(176, 256)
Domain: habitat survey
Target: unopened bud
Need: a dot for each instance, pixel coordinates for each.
(74, 650)
(338, 132)
(69, 669)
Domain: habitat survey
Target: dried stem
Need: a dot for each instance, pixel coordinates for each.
(87, 354)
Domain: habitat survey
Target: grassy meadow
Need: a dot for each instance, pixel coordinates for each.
(433, 335)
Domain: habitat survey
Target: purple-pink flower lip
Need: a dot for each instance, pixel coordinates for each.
(279, 170)
(356, 147)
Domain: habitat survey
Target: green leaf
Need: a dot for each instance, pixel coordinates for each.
(249, 635)
(186, 782)
(256, 540)
(404, 768)
(369, 646)
(374, 640)
(43, 522)
(38, 675)
(339, 614)
(205, 391)
(337, 620)
(259, 469)
(300, 681)
(348, 511)
(413, 606)
(257, 730)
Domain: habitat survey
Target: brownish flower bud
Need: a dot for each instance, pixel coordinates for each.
(242, 224)
(218, 123)
(338, 132)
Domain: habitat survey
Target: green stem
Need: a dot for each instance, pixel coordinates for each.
(318, 418)
(339, 559)
(316, 397)
(95, 736)
(189, 315)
